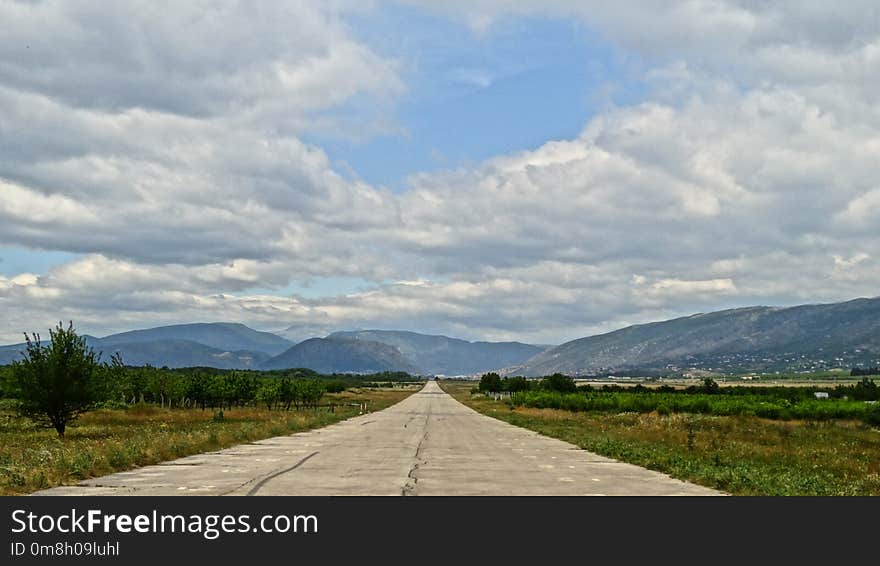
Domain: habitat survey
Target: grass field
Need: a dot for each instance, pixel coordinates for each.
(107, 441)
(741, 455)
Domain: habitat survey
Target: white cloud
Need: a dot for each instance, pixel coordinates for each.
(189, 59)
(174, 164)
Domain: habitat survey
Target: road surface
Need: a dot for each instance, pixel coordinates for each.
(428, 444)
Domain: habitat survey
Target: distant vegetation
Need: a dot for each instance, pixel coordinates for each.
(856, 402)
(864, 371)
(211, 388)
(494, 383)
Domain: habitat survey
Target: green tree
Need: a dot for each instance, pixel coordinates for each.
(559, 382)
(514, 384)
(286, 391)
(197, 389)
(165, 386)
(866, 390)
(310, 392)
(133, 384)
(490, 382)
(269, 393)
(57, 382)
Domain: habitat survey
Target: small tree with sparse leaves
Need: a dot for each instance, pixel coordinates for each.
(55, 383)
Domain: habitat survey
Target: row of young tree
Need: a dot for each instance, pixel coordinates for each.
(864, 390)
(493, 383)
(56, 382)
(206, 389)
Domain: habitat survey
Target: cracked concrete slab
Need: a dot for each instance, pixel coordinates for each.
(428, 444)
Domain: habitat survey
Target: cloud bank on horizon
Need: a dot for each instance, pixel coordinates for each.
(167, 151)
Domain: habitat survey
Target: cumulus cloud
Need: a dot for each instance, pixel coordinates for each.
(197, 59)
(175, 164)
(169, 135)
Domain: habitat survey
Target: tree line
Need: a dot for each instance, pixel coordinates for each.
(864, 390)
(493, 383)
(56, 382)
(857, 372)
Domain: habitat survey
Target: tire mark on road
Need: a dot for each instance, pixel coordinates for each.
(270, 477)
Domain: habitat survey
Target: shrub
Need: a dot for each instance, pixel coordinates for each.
(491, 383)
(872, 415)
(56, 383)
(559, 382)
(514, 384)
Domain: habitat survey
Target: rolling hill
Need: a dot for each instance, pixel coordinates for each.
(798, 338)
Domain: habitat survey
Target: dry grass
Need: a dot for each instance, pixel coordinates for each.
(739, 455)
(107, 441)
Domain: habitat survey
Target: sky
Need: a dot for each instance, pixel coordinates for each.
(488, 169)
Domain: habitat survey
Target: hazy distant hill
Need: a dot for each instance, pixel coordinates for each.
(9, 354)
(226, 345)
(220, 345)
(756, 338)
(448, 356)
(226, 336)
(183, 353)
(339, 355)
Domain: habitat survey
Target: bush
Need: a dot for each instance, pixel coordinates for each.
(5, 381)
(560, 383)
(872, 415)
(866, 390)
(490, 383)
(336, 386)
(514, 384)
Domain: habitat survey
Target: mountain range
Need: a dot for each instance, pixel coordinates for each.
(218, 335)
(801, 338)
(447, 356)
(221, 345)
(235, 346)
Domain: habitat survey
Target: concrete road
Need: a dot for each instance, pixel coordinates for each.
(428, 444)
